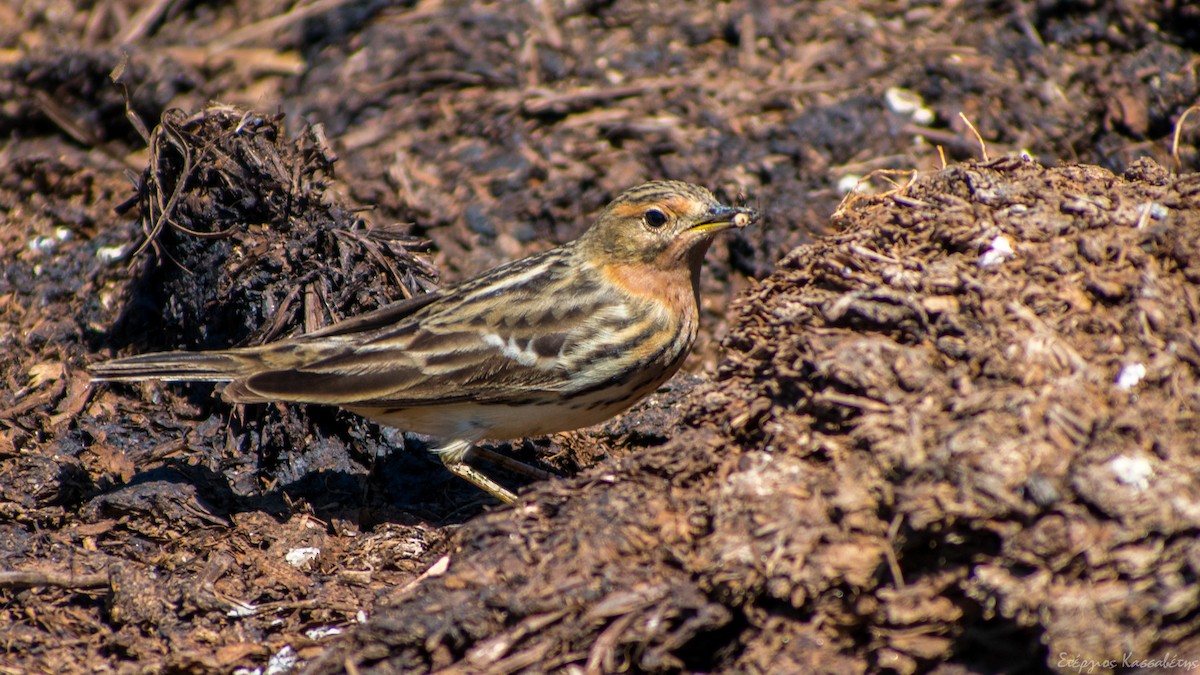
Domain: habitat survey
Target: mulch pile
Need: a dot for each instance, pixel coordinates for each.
(951, 427)
(961, 430)
(246, 231)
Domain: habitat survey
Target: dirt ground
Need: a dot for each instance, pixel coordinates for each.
(944, 421)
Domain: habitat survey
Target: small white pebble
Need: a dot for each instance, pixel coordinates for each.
(910, 103)
(1132, 471)
(110, 253)
(850, 182)
(902, 101)
(61, 233)
(282, 661)
(299, 557)
(1151, 210)
(1131, 374)
(241, 611)
(322, 632)
(42, 244)
(1001, 250)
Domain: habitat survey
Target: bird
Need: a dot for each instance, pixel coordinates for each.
(556, 341)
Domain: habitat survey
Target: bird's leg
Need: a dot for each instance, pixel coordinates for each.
(476, 477)
(454, 458)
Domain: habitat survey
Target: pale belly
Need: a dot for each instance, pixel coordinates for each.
(476, 421)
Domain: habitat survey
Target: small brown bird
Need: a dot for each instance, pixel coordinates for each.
(556, 341)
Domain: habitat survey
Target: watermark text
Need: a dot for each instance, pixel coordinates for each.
(1168, 661)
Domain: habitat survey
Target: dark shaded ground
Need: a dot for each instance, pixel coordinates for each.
(956, 430)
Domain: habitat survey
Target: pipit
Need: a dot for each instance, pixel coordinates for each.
(556, 341)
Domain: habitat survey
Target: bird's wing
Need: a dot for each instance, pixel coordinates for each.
(427, 362)
(485, 341)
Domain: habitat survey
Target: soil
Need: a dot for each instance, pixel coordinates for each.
(943, 415)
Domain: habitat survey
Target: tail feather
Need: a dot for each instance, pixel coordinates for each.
(175, 366)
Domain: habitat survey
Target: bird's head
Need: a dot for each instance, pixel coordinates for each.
(666, 224)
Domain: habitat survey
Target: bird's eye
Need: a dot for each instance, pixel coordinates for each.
(655, 218)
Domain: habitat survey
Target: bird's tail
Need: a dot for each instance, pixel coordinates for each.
(218, 366)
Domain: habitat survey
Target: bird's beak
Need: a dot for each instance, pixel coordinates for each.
(721, 218)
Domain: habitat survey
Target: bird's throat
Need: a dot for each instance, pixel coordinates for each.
(674, 285)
